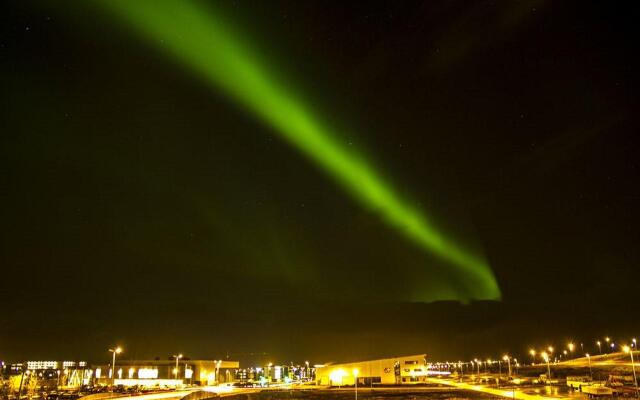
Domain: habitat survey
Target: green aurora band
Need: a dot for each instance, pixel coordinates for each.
(202, 41)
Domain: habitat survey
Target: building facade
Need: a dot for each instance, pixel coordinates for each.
(387, 371)
(154, 373)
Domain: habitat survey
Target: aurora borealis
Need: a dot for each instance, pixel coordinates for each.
(316, 180)
(203, 42)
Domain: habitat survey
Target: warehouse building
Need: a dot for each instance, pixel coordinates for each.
(387, 371)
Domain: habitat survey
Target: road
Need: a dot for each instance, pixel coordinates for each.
(512, 393)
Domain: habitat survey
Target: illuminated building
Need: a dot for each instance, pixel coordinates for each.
(69, 374)
(275, 374)
(388, 371)
(163, 373)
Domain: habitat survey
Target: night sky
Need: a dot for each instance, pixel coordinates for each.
(144, 206)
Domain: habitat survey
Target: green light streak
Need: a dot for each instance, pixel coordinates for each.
(201, 41)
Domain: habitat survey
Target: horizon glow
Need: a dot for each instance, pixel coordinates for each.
(201, 40)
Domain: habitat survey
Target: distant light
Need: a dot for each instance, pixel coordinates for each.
(626, 349)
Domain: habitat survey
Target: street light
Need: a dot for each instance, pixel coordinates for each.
(355, 379)
(115, 351)
(599, 346)
(627, 349)
(545, 357)
(176, 369)
(508, 360)
(571, 347)
(533, 356)
(589, 360)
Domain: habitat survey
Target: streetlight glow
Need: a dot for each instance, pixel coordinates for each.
(355, 380)
(116, 350)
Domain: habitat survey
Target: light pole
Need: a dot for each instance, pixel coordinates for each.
(599, 346)
(589, 361)
(629, 350)
(477, 364)
(115, 351)
(355, 380)
(508, 360)
(607, 340)
(545, 357)
(533, 356)
(175, 371)
(306, 372)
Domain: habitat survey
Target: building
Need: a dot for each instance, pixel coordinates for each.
(276, 374)
(164, 373)
(387, 371)
(65, 374)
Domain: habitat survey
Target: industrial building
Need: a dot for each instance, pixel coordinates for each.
(152, 373)
(387, 371)
(142, 373)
